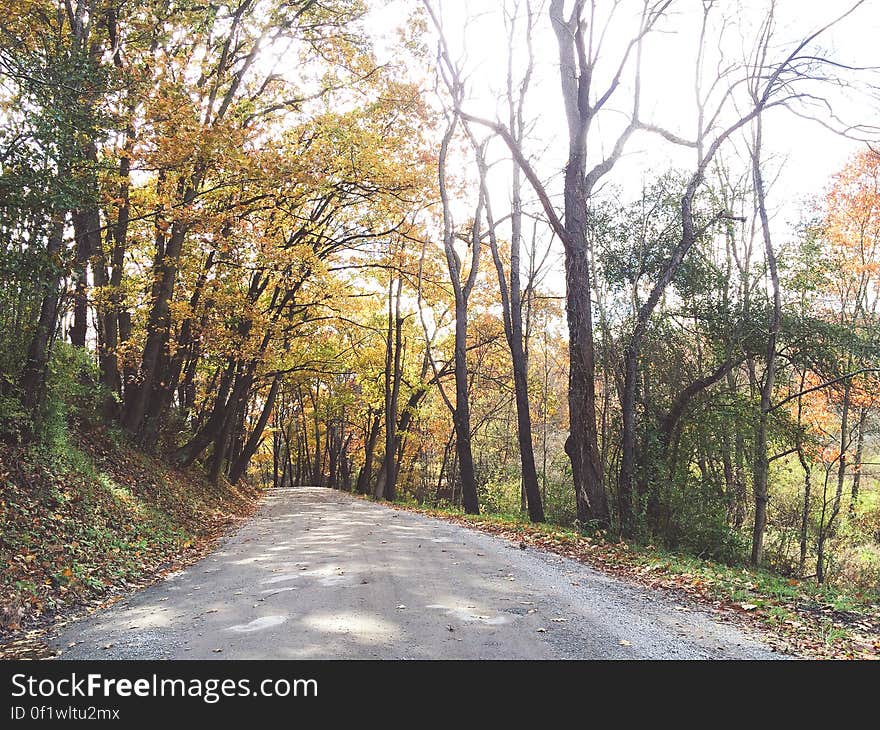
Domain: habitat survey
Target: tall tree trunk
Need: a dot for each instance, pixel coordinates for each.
(857, 462)
(33, 377)
(114, 323)
(760, 486)
(120, 246)
(461, 418)
(165, 266)
(511, 296)
(365, 475)
(388, 481)
(582, 442)
(808, 484)
(276, 459)
(827, 530)
(239, 468)
(511, 301)
(461, 409)
(86, 226)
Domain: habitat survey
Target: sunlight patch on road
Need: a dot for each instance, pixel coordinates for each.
(325, 575)
(281, 578)
(248, 561)
(472, 614)
(369, 629)
(258, 624)
(149, 617)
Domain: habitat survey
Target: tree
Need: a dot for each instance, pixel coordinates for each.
(511, 291)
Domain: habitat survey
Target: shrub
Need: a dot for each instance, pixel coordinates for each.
(859, 567)
(16, 425)
(73, 393)
(690, 515)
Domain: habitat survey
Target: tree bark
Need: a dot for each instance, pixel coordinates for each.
(462, 417)
(760, 486)
(33, 377)
(857, 462)
(511, 303)
(165, 266)
(827, 530)
(365, 475)
(239, 468)
(393, 347)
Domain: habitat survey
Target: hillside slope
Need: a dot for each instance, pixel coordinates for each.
(90, 519)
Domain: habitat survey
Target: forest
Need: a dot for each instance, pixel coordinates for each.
(316, 242)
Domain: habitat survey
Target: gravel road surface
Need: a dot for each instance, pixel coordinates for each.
(317, 574)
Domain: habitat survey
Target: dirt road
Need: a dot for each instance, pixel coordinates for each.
(319, 574)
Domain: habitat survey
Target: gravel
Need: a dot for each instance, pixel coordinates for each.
(319, 574)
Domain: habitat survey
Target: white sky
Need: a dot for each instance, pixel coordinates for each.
(805, 153)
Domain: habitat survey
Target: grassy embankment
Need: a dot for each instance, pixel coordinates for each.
(88, 520)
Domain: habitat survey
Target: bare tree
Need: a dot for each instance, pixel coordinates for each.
(386, 483)
(580, 36)
(769, 84)
(462, 286)
(781, 84)
(509, 284)
(462, 282)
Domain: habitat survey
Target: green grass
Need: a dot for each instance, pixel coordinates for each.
(743, 580)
